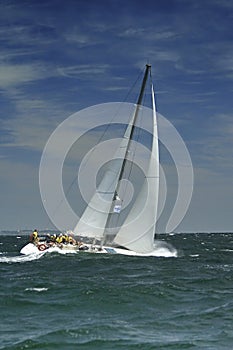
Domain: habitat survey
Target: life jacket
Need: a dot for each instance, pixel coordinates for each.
(59, 239)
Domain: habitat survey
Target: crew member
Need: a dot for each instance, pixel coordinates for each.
(34, 236)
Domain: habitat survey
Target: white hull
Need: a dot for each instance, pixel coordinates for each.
(30, 248)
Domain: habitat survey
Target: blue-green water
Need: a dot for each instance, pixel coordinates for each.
(89, 301)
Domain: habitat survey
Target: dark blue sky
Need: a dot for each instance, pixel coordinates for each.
(59, 57)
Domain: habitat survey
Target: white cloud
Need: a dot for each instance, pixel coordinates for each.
(76, 36)
(18, 74)
(148, 33)
(82, 69)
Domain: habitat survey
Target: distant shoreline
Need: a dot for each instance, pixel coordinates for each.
(27, 232)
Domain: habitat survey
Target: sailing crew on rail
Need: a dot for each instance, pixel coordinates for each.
(34, 238)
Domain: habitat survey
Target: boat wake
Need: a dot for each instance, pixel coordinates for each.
(21, 258)
(164, 249)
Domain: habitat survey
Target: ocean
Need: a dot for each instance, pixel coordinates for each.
(93, 301)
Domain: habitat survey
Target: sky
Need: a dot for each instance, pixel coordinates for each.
(60, 57)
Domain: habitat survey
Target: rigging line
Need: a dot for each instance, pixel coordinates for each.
(104, 132)
(114, 116)
(137, 135)
(101, 137)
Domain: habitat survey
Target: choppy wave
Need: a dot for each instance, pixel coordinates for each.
(93, 301)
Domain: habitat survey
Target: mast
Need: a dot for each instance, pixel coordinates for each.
(139, 102)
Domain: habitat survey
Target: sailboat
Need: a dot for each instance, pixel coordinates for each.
(101, 224)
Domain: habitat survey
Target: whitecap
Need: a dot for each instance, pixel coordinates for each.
(164, 249)
(36, 289)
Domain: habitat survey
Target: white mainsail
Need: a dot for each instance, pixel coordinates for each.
(138, 231)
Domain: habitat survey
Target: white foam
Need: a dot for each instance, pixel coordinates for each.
(164, 249)
(36, 289)
(20, 258)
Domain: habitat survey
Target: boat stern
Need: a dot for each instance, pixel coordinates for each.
(30, 248)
